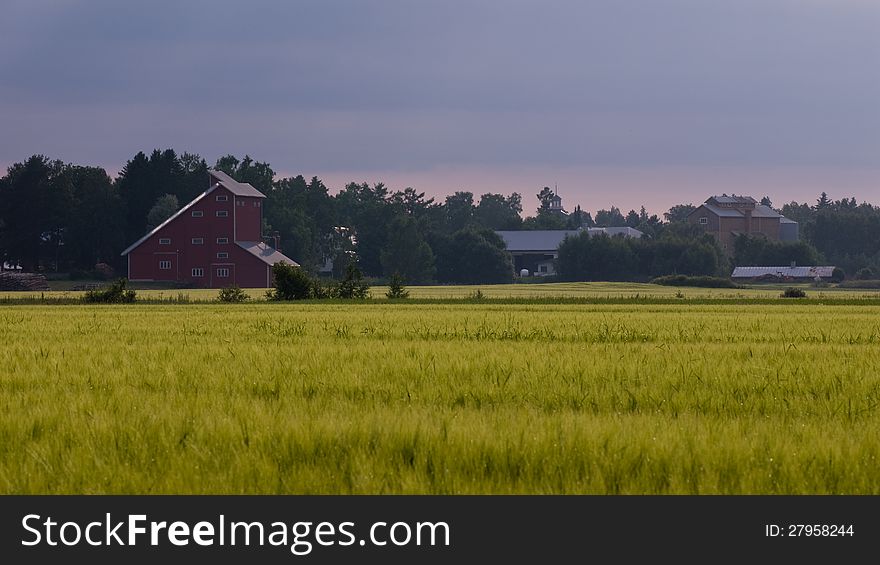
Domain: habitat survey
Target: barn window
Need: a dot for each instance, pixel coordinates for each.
(197, 214)
(165, 265)
(198, 273)
(198, 240)
(222, 213)
(164, 241)
(256, 203)
(704, 220)
(221, 198)
(223, 273)
(223, 255)
(222, 240)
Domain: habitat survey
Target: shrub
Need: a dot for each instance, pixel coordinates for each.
(291, 283)
(104, 271)
(477, 295)
(396, 289)
(353, 285)
(837, 275)
(792, 292)
(116, 293)
(868, 284)
(232, 294)
(865, 274)
(684, 280)
(323, 289)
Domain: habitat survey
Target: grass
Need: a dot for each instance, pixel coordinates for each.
(440, 398)
(581, 291)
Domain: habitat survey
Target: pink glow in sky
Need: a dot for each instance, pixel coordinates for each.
(657, 189)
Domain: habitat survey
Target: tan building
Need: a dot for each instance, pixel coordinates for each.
(725, 217)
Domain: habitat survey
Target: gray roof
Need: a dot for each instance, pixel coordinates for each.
(265, 253)
(612, 231)
(534, 240)
(793, 272)
(733, 199)
(760, 211)
(784, 220)
(235, 187)
(723, 212)
(549, 240)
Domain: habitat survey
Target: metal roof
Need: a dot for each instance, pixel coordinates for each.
(760, 211)
(265, 253)
(784, 220)
(612, 231)
(169, 220)
(733, 199)
(534, 240)
(548, 240)
(235, 187)
(792, 272)
(723, 212)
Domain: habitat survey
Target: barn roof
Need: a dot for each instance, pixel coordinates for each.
(760, 211)
(534, 240)
(169, 220)
(265, 253)
(235, 187)
(724, 199)
(548, 240)
(793, 272)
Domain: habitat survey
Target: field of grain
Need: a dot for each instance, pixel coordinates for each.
(549, 291)
(440, 398)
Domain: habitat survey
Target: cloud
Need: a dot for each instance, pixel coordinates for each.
(397, 86)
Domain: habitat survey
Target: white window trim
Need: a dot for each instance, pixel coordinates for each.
(198, 273)
(223, 273)
(164, 241)
(222, 240)
(198, 241)
(197, 214)
(222, 255)
(222, 213)
(221, 198)
(164, 265)
(704, 221)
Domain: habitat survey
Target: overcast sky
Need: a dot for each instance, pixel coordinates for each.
(617, 101)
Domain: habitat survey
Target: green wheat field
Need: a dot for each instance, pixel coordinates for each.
(442, 398)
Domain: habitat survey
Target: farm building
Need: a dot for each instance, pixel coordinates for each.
(536, 251)
(725, 217)
(213, 242)
(783, 273)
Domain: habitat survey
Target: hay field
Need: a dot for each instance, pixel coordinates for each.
(440, 398)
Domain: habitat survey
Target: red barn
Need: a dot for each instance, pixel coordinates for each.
(213, 242)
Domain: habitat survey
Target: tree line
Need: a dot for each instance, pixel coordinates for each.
(62, 217)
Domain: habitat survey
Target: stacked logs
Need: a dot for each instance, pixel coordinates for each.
(22, 281)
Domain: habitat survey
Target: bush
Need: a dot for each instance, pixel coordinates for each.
(792, 292)
(477, 295)
(104, 271)
(865, 274)
(291, 283)
(837, 275)
(116, 293)
(684, 280)
(396, 289)
(868, 284)
(232, 294)
(353, 285)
